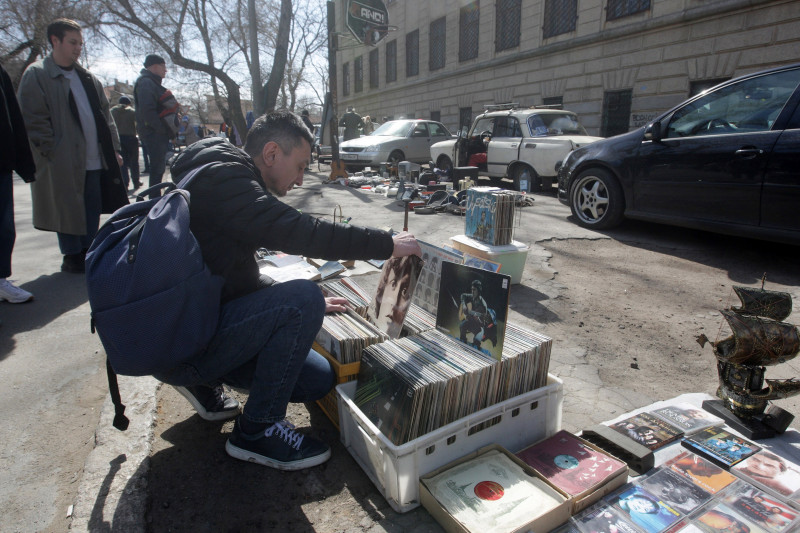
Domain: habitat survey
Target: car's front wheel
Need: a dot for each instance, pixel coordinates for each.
(596, 199)
(395, 157)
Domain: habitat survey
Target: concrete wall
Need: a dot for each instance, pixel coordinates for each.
(656, 54)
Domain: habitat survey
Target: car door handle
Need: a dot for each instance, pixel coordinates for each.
(513, 145)
(530, 145)
(749, 153)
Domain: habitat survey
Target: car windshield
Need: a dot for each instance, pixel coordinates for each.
(394, 128)
(549, 124)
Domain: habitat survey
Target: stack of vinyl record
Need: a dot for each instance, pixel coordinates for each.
(418, 320)
(357, 299)
(490, 215)
(414, 385)
(345, 335)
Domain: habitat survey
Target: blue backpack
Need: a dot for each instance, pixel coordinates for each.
(154, 302)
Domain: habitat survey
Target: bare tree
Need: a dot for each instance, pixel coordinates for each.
(279, 60)
(308, 38)
(23, 29)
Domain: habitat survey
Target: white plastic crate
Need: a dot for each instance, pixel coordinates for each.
(395, 470)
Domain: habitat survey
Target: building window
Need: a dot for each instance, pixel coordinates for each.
(696, 87)
(436, 115)
(346, 78)
(437, 48)
(412, 53)
(553, 101)
(468, 23)
(622, 8)
(507, 24)
(358, 74)
(373, 68)
(464, 119)
(616, 112)
(391, 61)
(560, 17)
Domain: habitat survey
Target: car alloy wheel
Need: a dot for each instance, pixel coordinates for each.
(596, 200)
(395, 157)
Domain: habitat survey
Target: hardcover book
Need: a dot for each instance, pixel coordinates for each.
(687, 417)
(720, 446)
(772, 473)
(648, 430)
(473, 305)
(701, 472)
(573, 465)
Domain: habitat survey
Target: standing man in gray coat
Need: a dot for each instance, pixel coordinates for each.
(125, 118)
(147, 91)
(75, 145)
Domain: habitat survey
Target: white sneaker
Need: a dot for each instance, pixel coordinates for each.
(13, 294)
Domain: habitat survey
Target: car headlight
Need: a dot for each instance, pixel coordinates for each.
(373, 148)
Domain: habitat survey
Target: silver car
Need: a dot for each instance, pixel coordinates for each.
(394, 141)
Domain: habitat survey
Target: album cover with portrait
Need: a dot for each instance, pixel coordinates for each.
(473, 307)
(772, 473)
(389, 306)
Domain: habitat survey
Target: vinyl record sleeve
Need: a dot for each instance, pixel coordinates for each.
(570, 464)
(491, 493)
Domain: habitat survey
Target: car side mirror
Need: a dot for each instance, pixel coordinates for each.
(652, 132)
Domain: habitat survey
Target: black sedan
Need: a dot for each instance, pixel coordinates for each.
(726, 160)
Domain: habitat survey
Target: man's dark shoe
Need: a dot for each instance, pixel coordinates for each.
(280, 446)
(74, 263)
(211, 403)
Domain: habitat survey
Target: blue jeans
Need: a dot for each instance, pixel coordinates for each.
(263, 343)
(157, 152)
(8, 233)
(93, 204)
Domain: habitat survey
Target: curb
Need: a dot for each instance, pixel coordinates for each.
(112, 495)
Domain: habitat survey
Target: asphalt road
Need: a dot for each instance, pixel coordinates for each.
(620, 306)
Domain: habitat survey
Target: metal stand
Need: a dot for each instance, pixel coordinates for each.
(774, 420)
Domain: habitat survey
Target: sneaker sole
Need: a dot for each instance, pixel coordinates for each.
(16, 301)
(205, 414)
(252, 457)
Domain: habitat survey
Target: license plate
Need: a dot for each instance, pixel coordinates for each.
(349, 156)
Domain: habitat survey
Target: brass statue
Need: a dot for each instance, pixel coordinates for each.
(759, 339)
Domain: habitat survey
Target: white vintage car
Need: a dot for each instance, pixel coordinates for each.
(527, 145)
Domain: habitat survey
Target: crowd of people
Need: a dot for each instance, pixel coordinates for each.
(79, 154)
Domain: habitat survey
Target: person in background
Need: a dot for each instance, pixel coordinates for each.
(125, 118)
(352, 124)
(307, 121)
(15, 156)
(74, 143)
(265, 332)
(154, 134)
(368, 126)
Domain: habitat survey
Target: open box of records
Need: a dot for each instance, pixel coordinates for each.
(492, 491)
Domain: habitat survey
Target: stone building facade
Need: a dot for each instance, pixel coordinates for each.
(617, 63)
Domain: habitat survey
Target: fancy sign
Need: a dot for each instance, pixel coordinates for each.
(367, 20)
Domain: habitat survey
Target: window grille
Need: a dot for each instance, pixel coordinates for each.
(560, 17)
(507, 24)
(622, 8)
(373, 69)
(616, 112)
(391, 61)
(412, 53)
(358, 73)
(437, 44)
(346, 78)
(468, 29)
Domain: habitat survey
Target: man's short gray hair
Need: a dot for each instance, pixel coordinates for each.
(282, 127)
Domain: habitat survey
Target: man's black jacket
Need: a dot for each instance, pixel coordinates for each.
(232, 215)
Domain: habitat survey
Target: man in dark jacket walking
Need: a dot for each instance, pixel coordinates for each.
(147, 92)
(263, 340)
(15, 155)
(125, 118)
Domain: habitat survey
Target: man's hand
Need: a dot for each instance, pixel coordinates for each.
(405, 244)
(334, 304)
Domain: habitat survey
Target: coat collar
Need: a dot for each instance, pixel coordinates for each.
(55, 71)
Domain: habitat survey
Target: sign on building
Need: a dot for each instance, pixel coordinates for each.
(367, 20)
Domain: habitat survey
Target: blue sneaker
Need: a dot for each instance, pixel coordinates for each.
(280, 447)
(211, 403)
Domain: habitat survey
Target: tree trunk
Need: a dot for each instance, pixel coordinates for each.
(255, 63)
(281, 53)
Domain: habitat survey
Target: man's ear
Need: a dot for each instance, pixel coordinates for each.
(269, 153)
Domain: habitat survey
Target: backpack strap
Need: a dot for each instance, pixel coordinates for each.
(120, 420)
(189, 177)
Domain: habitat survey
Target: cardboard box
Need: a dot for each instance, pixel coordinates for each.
(546, 521)
(395, 470)
(511, 257)
(344, 373)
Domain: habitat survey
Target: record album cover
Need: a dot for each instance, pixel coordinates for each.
(473, 305)
(570, 464)
(648, 430)
(720, 446)
(393, 296)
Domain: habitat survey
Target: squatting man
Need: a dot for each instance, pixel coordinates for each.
(265, 331)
